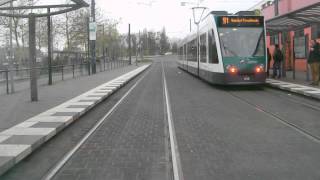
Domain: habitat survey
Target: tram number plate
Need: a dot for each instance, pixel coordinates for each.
(246, 78)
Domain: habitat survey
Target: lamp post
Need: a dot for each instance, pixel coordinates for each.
(197, 13)
(197, 19)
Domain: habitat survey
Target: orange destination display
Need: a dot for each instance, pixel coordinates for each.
(238, 21)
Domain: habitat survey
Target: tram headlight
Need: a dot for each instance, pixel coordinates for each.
(232, 69)
(260, 68)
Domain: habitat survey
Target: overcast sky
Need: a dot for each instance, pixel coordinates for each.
(155, 14)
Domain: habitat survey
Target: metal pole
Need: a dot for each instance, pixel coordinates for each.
(307, 55)
(11, 52)
(88, 55)
(103, 50)
(129, 45)
(49, 48)
(32, 57)
(7, 81)
(198, 52)
(294, 63)
(190, 25)
(93, 42)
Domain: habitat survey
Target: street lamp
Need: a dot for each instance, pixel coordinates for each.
(197, 17)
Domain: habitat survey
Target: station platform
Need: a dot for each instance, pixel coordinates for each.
(59, 105)
(299, 85)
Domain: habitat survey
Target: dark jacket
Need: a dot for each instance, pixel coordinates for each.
(278, 56)
(314, 55)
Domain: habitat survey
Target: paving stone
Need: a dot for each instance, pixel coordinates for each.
(14, 150)
(64, 119)
(57, 125)
(25, 124)
(97, 95)
(65, 114)
(3, 138)
(87, 100)
(78, 106)
(6, 163)
(33, 141)
(78, 110)
(29, 131)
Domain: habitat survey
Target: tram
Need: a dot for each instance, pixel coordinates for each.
(230, 49)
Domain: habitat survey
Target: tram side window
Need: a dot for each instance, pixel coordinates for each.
(184, 52)
(193, 50)
(180, 53)
(213, 54)
(189, 55)
(203, 48)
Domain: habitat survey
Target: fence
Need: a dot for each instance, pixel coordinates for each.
(60, 72)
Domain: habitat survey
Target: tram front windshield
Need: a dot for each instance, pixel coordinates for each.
(242, 42)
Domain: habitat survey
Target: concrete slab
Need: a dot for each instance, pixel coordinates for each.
(32, 140)
(25, 124)
(4, 137)
(63, 119)
(6, 163)
(78, 106)
(58, 126)
(29, 131)
(17, 151)
(97, 95)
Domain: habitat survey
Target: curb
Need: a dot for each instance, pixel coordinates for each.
(295, 88)
(19, 141)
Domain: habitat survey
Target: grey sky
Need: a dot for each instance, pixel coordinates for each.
(155, 14)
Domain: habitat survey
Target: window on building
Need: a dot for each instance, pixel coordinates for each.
(203, 48)
(274, 39)
(300, 44)
(213, 53)
(315, 31)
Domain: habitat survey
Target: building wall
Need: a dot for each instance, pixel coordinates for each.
(286, 6)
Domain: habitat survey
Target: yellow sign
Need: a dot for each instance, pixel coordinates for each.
(241, 21)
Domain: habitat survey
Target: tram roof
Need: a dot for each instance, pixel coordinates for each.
(295, 20)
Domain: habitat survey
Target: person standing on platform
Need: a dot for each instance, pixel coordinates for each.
(269, 61)
(314, 62)
(277, 58)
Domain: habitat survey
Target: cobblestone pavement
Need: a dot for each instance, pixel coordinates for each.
(131, 143)
(222, 133)
(223, 137)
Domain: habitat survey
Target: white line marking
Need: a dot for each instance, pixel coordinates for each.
(67, 157)
(177, 170)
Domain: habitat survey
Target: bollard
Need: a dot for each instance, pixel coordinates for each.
(73, 70)
(7, 80)
(88, 68)
(62, 73)
(81, 70)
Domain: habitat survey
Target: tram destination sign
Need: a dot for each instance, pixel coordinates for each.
(240, 21)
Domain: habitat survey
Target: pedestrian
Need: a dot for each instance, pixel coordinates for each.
(277, 60)
(314, 62)
(269, 61)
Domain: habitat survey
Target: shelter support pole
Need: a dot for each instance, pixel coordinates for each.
(49, 48)
(32, 57)
(129, 36)
(307, 55)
